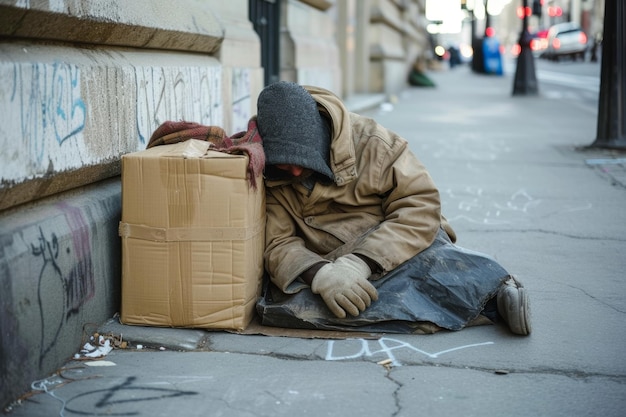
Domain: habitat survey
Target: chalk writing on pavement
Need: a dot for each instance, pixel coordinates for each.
(386, 347)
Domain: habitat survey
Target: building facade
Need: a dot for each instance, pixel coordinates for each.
(87, 81)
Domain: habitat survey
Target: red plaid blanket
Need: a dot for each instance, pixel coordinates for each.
(248, 142)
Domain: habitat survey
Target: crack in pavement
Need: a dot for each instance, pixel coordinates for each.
(594, 298)
(396, 392)
(548, 232)
(576, 374)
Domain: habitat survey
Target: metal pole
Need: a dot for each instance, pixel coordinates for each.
(525, 82)
(487, 17)
(477, 47)
(611, 131)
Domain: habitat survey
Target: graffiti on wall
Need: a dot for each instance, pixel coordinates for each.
(43, 111)
(179, 93)
(48, 109)
(66, 279)
(241, 99)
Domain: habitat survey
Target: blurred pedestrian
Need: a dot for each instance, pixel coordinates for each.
(417, 75)
(455, 56)
(596, 42)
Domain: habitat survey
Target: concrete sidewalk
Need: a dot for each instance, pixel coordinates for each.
(515, 184)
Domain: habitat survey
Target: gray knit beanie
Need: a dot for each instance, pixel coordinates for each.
(292, 128)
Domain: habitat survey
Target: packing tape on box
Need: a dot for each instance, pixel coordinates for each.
(190, 234)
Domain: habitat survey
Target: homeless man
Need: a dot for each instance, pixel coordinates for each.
(354, 219)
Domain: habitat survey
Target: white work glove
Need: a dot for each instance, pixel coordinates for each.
(344, 287)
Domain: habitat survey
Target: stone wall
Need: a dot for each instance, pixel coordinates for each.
(84, 82)
(397, 37)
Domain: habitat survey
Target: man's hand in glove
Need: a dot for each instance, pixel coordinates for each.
(344, 287)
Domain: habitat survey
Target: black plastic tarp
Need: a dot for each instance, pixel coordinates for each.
(445, 286)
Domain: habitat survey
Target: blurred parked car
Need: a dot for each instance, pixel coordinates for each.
(566, 40)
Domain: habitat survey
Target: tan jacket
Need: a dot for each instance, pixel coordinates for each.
(383, 205)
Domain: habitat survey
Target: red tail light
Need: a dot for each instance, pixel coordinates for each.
(582, 38)
(534, 45)
(556, 44)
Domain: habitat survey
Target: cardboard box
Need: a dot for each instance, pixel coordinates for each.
(192, 234)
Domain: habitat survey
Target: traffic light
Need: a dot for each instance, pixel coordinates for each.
(523, 11)
(555, 11)
(537, 6)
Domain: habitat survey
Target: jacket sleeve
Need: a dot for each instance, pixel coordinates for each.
(409, 198)
(286, 256)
